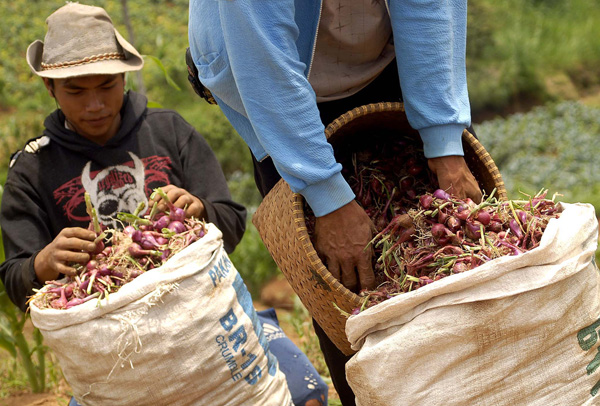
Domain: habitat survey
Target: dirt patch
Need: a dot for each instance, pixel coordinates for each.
(35, 399)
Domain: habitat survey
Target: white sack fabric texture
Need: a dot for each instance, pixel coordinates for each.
(185, 333)
(518, 330)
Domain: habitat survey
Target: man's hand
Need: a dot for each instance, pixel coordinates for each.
(71, 245)
(180, 198)
(455, 177)
(340, 241)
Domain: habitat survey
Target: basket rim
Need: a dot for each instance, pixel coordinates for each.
(298, 199)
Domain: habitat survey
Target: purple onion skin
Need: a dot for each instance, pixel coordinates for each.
(117, 274)
(177, 214)
(84, 285)
(91, 265)
(514, 227)
(133, 233)
(495, 226)
(99, 247)
(162, 222)
(441, 194)
(453, 223)
(484, 217)
(148, 242)
(462, 212)
(438, 231)
(425, 280)
(129, 230)
(522, 217)
(136, 251)
(442, 217)
(165, 254)
(136, 236)
(61, 302)
(425, 201)
(74, 302)
(177, 227)
(460, 267)
(472, 230)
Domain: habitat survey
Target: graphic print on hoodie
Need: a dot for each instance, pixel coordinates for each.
(114, 189)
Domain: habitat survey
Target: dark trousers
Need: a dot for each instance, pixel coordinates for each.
(385, 88)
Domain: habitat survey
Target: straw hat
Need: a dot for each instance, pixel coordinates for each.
(81, 40)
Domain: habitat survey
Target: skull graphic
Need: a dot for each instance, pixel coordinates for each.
(115, 189)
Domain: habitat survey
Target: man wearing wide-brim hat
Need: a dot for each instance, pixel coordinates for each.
(108, 143)
(82, 47)
(104, 141)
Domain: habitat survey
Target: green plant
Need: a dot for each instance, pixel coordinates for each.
(552, 147)
(253, 261)
(12, 339)
(300, 319)
(513, 46)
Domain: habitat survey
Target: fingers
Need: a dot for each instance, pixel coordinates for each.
(68, 257)
(161, 205)
(340, 238)
(65, 269)
(349, 278)
(365, 272)
(455, 177)
(76, 233)
(56, 257)
(180, 198)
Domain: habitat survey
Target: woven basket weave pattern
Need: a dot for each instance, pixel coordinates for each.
(280, 220)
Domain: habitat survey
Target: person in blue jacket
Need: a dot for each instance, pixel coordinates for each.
(281, 70)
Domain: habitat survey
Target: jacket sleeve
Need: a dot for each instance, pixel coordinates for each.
(430, 45)
(273, 93)
(204, 179)
(24, 234)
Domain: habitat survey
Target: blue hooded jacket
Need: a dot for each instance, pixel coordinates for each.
(255, 57)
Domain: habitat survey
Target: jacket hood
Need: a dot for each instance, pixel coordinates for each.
(133, 110)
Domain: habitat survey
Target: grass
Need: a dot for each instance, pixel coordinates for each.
(15, 380)
(515, 45)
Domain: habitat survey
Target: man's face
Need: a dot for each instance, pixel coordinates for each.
(91, 104)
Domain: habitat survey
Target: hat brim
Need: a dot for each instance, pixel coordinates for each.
(133, 61)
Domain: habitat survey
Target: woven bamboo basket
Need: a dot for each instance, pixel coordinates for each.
(280, 218)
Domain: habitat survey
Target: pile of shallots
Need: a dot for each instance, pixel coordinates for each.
(144, 243)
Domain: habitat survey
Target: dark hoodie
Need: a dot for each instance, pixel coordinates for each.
(44, 191)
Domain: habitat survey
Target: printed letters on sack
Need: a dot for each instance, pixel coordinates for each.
(587, 338)
(238, 337)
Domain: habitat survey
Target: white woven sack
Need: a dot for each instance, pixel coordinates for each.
(519, 330)
(185, 333)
